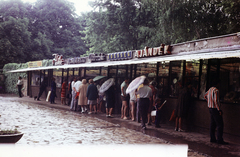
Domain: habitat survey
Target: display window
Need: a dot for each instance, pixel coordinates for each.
(104, 71)
(57, 74)
(175, 77)
(229, 80)
(192, 76)
(35, 78)
(92, 72)
(203, 78)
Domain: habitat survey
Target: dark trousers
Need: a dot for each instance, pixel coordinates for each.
(157, 120)
(143, 110)
(216, 122)
(138, 113)
(19, 90)
(41, 92)
(52, 97)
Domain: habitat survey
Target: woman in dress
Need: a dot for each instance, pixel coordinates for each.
(63, 92)
(82, 98)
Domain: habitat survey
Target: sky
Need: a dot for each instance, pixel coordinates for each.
(80, 5)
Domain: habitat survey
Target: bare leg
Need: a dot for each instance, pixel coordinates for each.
(90, 108)
(176, 124)
(110, 111)
(180, 123)
(133, 110)
(125, 109)
(107, 112)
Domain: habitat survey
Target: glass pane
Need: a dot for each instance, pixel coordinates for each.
(104, 71)
(148, 70)
(57, 74)
(162, 86)
(121, 71)
(163, 69)
(92, 72)
(76, 72)
(203, 82)
(176, 77)
(230, 83)
(70, 73)
(35, 78)
(112, 72)
(192, 68)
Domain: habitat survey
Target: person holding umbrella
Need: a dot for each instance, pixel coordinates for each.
(144, 93)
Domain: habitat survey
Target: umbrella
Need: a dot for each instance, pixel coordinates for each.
(106, 85)
(98, 78)
(135, 84)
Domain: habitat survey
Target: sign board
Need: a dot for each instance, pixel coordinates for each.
(34, 64)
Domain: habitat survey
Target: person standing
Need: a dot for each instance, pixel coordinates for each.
(63, 92)
(82, 99)
(183, 103)
(92, 95)
(125, 98)
(20, 86)
(76, 89)
(43, 87)
(133, 101)
(145, 93)
(53, 91)
(73, 94)
(69, 92)
(212, 97)
(110, 101)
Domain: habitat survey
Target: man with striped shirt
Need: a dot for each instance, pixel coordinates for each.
(212, 97)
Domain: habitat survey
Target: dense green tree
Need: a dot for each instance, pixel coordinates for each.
(14, 34)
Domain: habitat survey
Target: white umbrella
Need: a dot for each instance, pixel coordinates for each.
(135, 84)
(106, 85)
(98, 78)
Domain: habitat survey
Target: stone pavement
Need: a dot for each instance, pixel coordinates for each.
(197, 140)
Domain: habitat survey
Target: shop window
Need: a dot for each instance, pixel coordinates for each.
(112, 71)
(149, 70)
(121, 73)
(203, 82)
(76, 72)
(230, 80)
(57, 74)
(35, 78)
(163, 78)
(92, 72)
(192, 76)
(104, 71)
(175, 77)
(70, 73)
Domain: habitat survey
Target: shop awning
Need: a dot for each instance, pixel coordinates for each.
(173, 57)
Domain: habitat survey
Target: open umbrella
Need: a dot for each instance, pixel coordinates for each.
(98, 78)
(106, 85)
(135, 84)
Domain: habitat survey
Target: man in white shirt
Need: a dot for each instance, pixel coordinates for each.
(76, 90)
(20, 85)
(144, 94)
(73, 94)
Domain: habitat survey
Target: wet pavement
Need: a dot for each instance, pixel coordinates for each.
(47, 124)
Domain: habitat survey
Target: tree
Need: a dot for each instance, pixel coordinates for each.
(14, 34)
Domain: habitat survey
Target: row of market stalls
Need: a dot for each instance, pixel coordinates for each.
(197, 62)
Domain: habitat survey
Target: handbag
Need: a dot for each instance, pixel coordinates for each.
(153, 113)
(173, 116)
(48, 96)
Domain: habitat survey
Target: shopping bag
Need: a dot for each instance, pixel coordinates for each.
(153, 113)
(173, 116)
(48, 96)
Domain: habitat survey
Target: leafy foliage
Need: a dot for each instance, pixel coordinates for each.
(11, 78)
